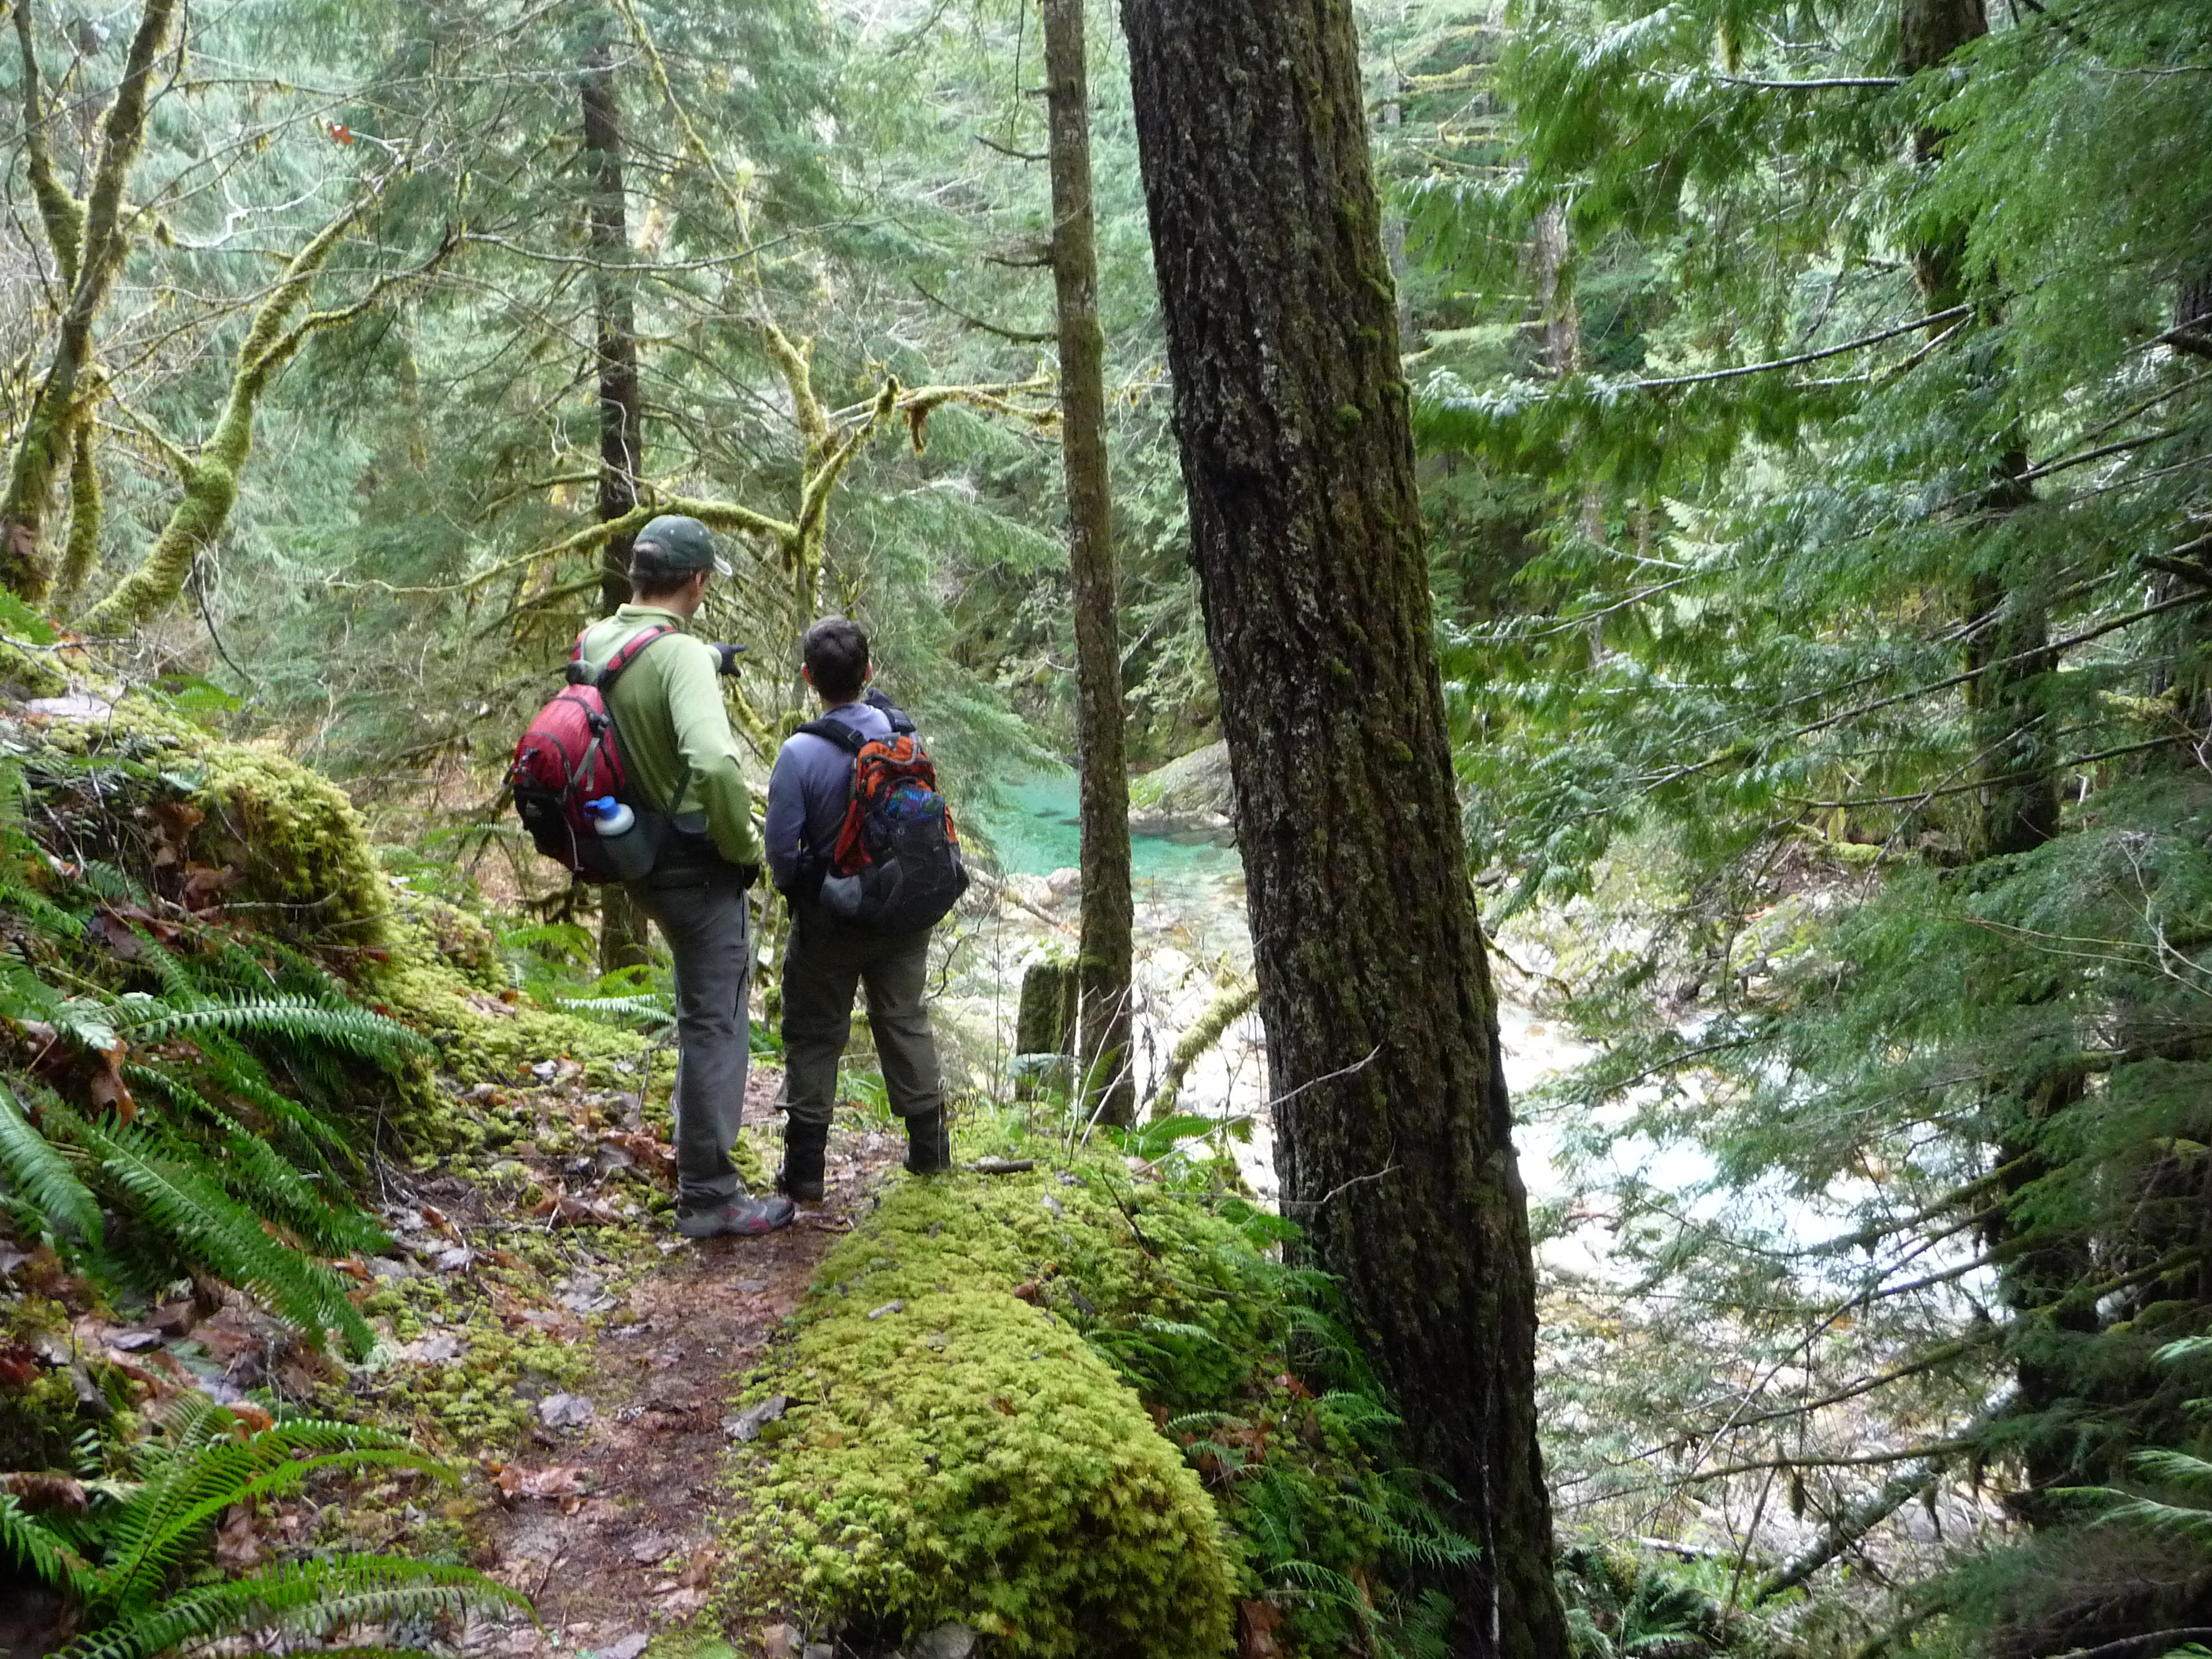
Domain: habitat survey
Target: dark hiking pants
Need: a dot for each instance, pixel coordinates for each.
(826, 961)
(705, 921)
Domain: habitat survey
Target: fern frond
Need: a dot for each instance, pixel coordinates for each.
(304, 1598)
(657, 1009)
(2176, 1469)
(371, 1036)
(43, 1175)
(35, 1548)
(213, 1228)
(257, 1175)
(208, 1465)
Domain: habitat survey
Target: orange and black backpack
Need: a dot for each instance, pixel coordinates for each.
(896, 864)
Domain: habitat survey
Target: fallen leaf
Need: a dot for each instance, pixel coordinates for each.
(562, 1480)
(1256, 1629)
(19, 1367)
(236, 1547)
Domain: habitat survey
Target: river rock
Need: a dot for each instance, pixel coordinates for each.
(1190, 796)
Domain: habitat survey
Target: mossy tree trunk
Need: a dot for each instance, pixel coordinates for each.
(1104, 951)
(624, 941)
(1392, 1132)
(89, 245)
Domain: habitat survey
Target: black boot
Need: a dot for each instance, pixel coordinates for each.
(929, 1143)
(800, 1178)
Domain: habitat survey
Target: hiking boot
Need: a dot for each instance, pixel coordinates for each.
(746, 1216)
(929, 1143)
(800, 1178)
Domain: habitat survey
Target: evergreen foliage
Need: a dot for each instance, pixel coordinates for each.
(1831, 570)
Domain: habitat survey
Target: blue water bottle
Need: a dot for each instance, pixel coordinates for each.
(628, 851)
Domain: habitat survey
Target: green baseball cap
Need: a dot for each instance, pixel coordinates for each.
(674, 545)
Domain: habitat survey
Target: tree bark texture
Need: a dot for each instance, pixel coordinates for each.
(43, 447)
(1104, 950)
(624, 941)
(1393, 1131)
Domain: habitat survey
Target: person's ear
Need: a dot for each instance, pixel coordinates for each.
(806, 674)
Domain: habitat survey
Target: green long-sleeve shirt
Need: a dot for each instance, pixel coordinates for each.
(667, 705)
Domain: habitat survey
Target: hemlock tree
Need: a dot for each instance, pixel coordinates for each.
(1103, 953)
(624, 942)
(1393, 1133)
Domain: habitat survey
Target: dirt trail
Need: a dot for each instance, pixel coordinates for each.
(622, 1542)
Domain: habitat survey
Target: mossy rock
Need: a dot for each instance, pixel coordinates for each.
(1193, 794)
(963, 1454)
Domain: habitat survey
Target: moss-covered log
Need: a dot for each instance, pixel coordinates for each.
(952, 1451)
(1046, 1019)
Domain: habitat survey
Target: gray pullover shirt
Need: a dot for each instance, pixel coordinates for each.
(810, 790)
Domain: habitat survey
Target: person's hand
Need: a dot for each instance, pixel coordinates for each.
(726, 657)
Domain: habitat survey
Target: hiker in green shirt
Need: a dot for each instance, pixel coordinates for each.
(682, 760)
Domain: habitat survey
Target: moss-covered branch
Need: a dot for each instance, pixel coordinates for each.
(82, 551)
(45, 440)
(61, 213)
(211, 476)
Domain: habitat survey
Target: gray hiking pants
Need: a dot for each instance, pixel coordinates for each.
(826, 961)
(705, 920)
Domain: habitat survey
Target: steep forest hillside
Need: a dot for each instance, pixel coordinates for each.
(1636, 1082)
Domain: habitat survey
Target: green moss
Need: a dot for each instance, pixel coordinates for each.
(301, 848)
(30, 671)
(968, 1454)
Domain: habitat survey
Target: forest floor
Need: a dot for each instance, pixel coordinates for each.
(612, 1525)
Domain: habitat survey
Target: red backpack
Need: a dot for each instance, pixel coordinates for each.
(896, 865)
(570, 756)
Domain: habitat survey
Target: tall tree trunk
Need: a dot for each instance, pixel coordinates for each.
(1103, 953)
(43, 447)
(1393, 1131)
(622, 929)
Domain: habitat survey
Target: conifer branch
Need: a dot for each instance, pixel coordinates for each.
(1817, 83)
(1802, 357)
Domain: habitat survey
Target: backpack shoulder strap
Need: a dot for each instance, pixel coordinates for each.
(847, 738)
(902, 723)
(632, 649)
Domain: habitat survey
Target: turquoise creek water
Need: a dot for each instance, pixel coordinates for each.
(1036, 832)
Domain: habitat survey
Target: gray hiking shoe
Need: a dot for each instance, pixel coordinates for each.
(747, 1216)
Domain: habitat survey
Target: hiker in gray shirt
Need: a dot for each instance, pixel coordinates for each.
(828, 958)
